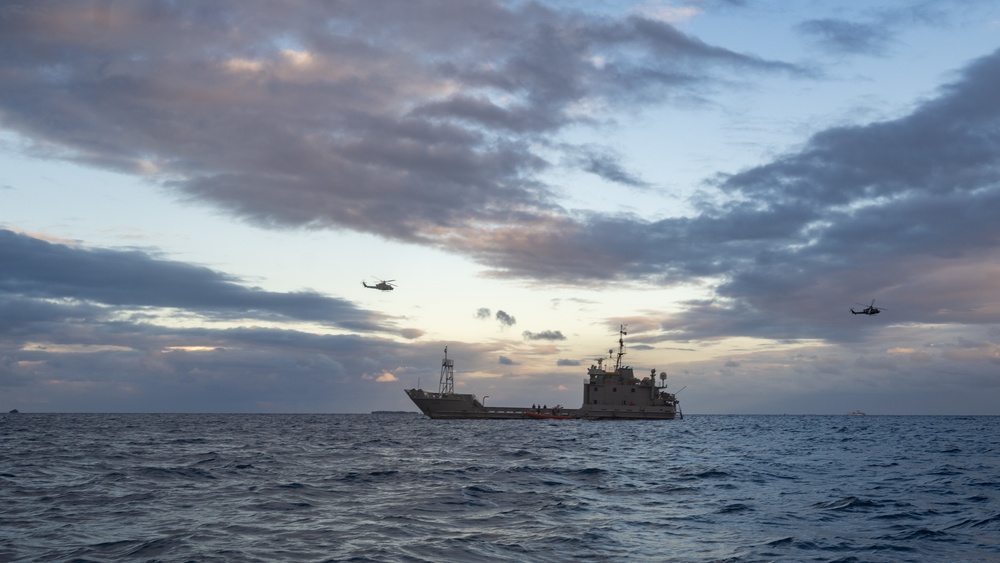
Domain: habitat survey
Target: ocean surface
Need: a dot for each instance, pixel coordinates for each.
(391, 487)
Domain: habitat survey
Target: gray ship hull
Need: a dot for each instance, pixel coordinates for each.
(465, 406)
(648, 413)
(459, 405)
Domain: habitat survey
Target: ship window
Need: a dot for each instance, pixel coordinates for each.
(595, 401)
(614, 389)
(633, 389)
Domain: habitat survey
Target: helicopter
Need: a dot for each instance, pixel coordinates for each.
(869, 310)
(382, 285)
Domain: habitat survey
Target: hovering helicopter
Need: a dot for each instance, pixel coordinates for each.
(869, 310)
(382, 285)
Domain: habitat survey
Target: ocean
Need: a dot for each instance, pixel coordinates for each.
(401, 487)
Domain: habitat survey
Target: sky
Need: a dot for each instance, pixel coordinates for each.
(191, 194)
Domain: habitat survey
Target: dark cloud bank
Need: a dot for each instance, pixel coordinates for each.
(326, 116)
(74, 319)
(332, 114)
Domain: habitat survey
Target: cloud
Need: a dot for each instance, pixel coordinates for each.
(563, 362)
(451, 131)
(505, 361)
(898, 210)
(844, 36)
(502, 317)
(93, 364)
(605, 163)
(876, 32)
(108, 282)
(668, 14)
(411, 333)
(505, 319)
(446, 113)
(544, 335)
(111, 330)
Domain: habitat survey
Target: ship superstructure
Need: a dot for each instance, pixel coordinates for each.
(620, 394)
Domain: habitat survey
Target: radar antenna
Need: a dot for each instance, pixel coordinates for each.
(621, 346)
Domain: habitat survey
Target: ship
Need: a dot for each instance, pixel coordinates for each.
(615, 394)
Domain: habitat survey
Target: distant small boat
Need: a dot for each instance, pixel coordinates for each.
(856, 413)
(531, 414)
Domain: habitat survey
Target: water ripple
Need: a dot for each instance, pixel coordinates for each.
(406, 488)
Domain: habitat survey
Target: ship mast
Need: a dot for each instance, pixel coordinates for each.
(446, 385)
(621, 346)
